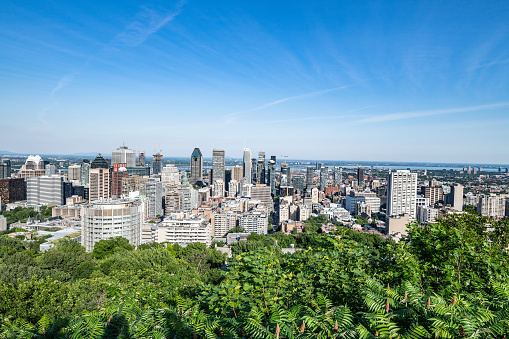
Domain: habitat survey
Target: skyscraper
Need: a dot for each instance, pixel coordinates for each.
(157, 163)
(196, 168)
(457, 197)
(123, 155)
(246, 164)
(338, 176)
(141, 159)
(85, 168)
(360, 176)
(402, 193)
(237, 173)
(261, 168)
(5, 169)
(154, 193)
(119, 172)
(271, 174)
(324, 177)
(309, 177)
(99, 179)
(218, 166)
(286, 178)
(254, 163)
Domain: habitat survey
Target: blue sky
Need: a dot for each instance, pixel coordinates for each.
(381, 80)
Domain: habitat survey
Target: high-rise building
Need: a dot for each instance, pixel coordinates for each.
(111, 218)
(254, 163)
(99, 162)
(434, 193)
(74, 173)
(170, 175)
(141, 159)
(402, 193)
(12, 190)
(5, 169)
(491, 205)
(123, 155)
(324, 177)
(261, 168)
(85, 168)
(237, 173)
(154, 193)
(271, 175)
(34, 167)
(286, 177)
(361, 177)
(309, 177)
(338, 176)
(172, 200)
(99, 179)
(298, 183)
(246, 164)
(157, 163)
(133, 184)
(457, 197)
(262, 193)
(218, 166)
(196, 168)
(222, 223)
(218, 188)
(45, 190)
(50, 169)
(233, 188)
(119, 172)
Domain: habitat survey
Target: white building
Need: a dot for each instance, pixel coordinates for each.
(254, 222)
(365, 197)
(170, 175)
(154, 192)
(402, 193)
(492, 205)
(45, 190)
(177, 229)
(123, 155)
(218, 188)
(106, 219)
(233, 188)
(427, 214)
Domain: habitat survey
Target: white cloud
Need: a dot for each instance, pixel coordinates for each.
(418, 114)
(147, 22)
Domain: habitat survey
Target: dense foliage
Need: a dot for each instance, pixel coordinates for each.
(447, 280)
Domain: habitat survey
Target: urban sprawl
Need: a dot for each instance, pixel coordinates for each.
(179, 203)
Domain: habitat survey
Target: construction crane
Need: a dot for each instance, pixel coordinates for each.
(284, 156)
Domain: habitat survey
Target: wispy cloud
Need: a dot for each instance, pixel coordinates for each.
(231, 116)
(147, 22)
(418, 114)
(64, 81)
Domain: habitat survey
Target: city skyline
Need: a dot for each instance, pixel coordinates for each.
(395, 81)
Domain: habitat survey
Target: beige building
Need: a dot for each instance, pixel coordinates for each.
(222, 223)
(237, 173)
(99, 183)
(133, 184)
(397, 224)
